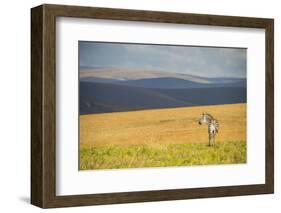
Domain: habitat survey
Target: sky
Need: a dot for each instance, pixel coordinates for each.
(193, 60)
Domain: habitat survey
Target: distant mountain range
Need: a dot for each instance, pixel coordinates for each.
(115, 90)
(168, 83)
(135, 74)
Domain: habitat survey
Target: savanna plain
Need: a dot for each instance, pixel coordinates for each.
(162, 138)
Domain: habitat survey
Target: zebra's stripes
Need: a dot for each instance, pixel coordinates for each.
(213, 126)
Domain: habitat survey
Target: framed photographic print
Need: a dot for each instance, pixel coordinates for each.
(136, 106)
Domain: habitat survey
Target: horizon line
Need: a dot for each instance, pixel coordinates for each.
(151, 70)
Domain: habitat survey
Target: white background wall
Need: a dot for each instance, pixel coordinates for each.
(15, 105)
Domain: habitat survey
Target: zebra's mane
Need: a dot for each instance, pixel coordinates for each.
(210, 116)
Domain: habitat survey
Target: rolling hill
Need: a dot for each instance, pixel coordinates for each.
(110, 97)
(117, 89)
(135, 74)
(169, 82)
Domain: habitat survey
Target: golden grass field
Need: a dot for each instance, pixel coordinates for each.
(162, 137)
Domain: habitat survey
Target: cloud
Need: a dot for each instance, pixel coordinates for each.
(201, 61)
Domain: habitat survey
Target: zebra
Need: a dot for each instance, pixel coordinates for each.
(213, 126)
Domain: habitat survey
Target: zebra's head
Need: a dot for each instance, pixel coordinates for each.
(204, 119)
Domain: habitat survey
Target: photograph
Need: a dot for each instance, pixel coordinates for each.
(144, 105)
(161, 105)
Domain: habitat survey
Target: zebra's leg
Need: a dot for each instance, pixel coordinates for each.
(209, 139)
(214, 137)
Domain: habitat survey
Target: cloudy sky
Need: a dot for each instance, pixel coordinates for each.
(200, 61)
